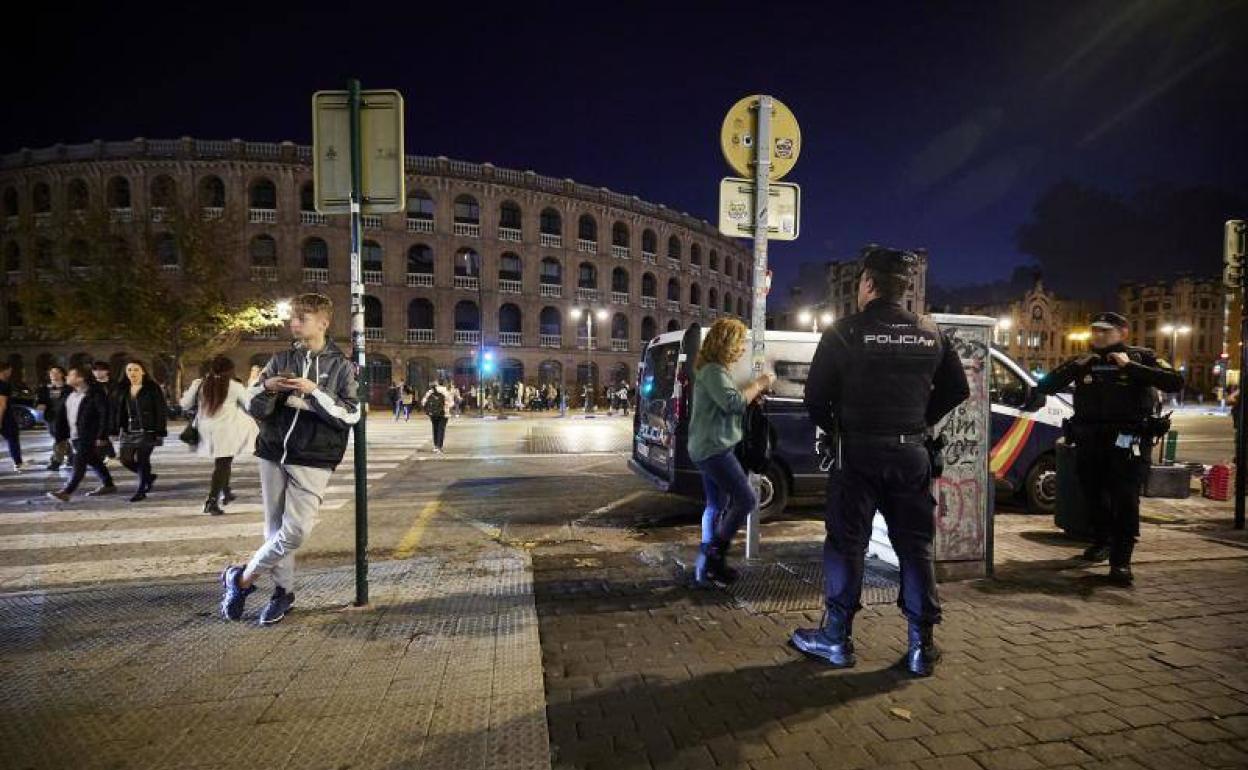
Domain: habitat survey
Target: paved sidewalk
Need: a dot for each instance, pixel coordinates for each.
(445, 672)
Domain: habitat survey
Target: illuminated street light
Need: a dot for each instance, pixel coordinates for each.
(601, 314)
(1005, 323)
(804, 317)
(282, 308)
(826, 319)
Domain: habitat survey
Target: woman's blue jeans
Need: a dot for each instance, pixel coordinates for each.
(729, 496)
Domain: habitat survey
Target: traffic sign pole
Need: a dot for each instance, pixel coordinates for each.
(357, 353)
(758, 320)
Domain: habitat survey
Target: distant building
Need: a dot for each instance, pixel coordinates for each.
(1040, 330)
(1194, 312)
(842, 286)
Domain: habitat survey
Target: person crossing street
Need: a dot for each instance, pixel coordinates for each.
(436, 402)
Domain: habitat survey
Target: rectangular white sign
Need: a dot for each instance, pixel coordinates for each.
(736, 209)
(381, 146)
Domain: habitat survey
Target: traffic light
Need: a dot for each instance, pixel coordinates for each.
(487, 363)
(1233, 253)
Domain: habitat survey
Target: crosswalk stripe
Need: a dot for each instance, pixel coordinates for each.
(25, 577)
(211, 531)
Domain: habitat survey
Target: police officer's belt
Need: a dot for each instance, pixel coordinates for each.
(877, 439)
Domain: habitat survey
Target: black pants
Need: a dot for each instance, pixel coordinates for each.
(896, 480)
(1110, 478)
(222, 467)
(138, 459)
(13, 437)
(439, 430)
(86, 455)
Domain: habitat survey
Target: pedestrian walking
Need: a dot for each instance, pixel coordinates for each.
(225, 428)
(879, 380)
(140, 422)
(457, 401)
(306, 403)
(715, 429)
(103, 373)
(9, 427)
(81, 423)
(435, 402)
(1113, 432)
(49, 400)
(394, 394)
(408, 401)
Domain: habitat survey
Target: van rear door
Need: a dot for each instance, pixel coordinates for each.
(663, 396)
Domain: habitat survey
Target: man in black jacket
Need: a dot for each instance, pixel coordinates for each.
(1114, 398)
(49, 400)
(82, 421)
(306, 403)
(879, 379)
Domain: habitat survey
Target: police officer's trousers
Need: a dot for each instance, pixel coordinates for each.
(1110, 477)
(896, 480)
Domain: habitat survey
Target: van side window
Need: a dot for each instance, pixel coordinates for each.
(1006, 387)
(791, 379)
(658, 377)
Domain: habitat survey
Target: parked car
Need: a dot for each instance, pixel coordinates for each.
(1024, 431)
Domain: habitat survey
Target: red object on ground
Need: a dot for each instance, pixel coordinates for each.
(1216, 485)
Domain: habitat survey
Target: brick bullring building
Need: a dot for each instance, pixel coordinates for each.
(533, 251)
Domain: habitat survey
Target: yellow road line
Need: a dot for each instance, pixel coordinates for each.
(411, 539)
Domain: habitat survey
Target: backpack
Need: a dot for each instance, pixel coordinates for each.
(754, 451)
(435, 404)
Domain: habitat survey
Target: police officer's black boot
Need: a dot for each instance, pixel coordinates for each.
(922, 654)
(1120, 564)
(831, 642)
(1096, 553)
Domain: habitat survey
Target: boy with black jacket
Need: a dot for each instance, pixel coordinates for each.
(305, 401)
(82, 421)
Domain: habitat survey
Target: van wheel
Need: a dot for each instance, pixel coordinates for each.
(773, 493)
(1041, 486)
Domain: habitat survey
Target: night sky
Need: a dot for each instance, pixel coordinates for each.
(930, 124)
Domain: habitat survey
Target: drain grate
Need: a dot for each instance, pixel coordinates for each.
(798, 587)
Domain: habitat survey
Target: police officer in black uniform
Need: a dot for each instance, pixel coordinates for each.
(878, 381)
(1112, 433)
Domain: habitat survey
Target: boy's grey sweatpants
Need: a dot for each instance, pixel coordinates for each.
(292, 497)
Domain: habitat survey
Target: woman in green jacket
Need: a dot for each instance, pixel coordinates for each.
(714, 432)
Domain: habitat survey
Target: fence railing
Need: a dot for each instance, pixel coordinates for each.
(420, 335)
(467, 337)
(418, 280)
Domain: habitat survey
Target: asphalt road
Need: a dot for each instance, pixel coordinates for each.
(1204, 438)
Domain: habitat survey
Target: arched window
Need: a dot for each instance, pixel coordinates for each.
(307, 197)
(11, 207)
(373, 316)
(587, 276)
(552, 272)
(119, 193)
(80, 253)
(511, 371)
(550, 371)
(41, 198)
(673, 289)
(510, 319)
(740, 307)
(13, 311)
(467, 316)
(467, 210)
(673, 325)
(741, 272)
(371, 257)
(45, 257)
(673, 248)
(619, 327)
(727, 302)
(550, 322)
(419, 205)
(712, 298)
(649, 242)
(420, 314)
(619, 280)
(619, 235)
(648, 329)
(315, 254)
(212, 192)
(649, 286)
(12, 257)
(420, 260)
(166, 252)
(164, 192)
(695, 294)
(77, 195)
(263, 251)
(695, 254)
(713, 260)
(509, 215)
(509, 266)
(551, 222)
(467, 262)
(728, 265)
(587, 228)
(263, 195)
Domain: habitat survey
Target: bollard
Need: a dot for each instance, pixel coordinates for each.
(1172, 446)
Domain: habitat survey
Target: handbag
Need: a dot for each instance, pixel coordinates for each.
(190, 434)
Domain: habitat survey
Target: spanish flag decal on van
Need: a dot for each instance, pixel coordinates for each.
(1010, 446)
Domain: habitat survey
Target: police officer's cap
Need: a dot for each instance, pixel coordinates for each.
(1108, 321)
(896, 262)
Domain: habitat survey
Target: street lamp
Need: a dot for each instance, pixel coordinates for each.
(1174, 330)
(805, 317)
(589, 347)
(480, 329)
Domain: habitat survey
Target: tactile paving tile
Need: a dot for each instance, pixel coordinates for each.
(560, 440)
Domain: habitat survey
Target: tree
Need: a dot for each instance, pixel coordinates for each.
(167, 288)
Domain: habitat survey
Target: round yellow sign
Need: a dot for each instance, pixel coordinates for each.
(740, 131)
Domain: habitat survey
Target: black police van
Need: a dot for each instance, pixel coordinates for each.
(1024, 425)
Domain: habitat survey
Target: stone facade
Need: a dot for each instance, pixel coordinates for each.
(1040, 330)
(1199, 304)
(842, 286)
(539, 247)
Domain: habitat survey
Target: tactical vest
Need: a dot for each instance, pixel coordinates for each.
(1105, 394)
(887, 380)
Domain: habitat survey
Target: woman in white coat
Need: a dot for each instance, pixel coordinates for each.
(226, 430)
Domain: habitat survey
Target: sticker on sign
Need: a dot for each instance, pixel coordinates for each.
(736, 209)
